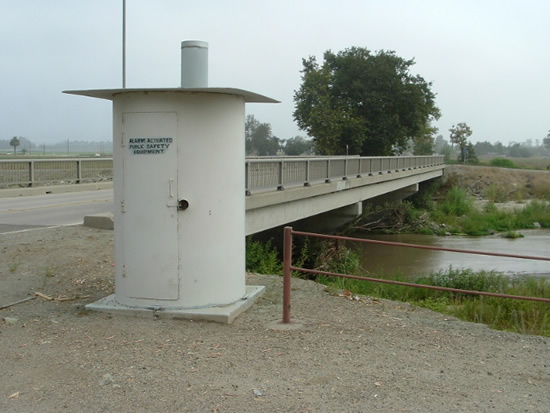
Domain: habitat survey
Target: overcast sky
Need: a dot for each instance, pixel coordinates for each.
(489, 60)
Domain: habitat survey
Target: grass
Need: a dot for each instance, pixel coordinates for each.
(457, 214)
(526, 317)
(503, 163)
(533, 162)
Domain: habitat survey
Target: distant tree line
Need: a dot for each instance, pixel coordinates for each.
(260, 141)
(526, 149)
(19, 145)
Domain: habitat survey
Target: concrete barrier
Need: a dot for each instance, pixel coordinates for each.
(100, 221)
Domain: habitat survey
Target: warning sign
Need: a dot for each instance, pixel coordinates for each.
(149, 146)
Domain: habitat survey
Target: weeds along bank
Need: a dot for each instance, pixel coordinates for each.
(448, 206)
(500, 184)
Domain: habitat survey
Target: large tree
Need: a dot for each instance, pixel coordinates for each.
(367, 102)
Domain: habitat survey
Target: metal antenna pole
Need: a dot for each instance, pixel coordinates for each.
(124, 44)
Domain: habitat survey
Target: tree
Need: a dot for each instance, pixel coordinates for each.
(459, 136)
(297, 146)
(442, 147)
(424, 143)
(546, 141)
(484, 148)
(15, 142)
(517, 150)
(259, 138)
(367, 102)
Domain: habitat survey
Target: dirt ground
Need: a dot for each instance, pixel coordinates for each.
(342, 354)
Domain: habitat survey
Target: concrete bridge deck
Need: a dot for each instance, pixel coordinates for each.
(337, 197)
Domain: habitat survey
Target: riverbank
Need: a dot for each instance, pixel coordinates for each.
(344, 354)
(499, 185)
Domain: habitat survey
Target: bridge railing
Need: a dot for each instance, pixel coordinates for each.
(277, 173)
(31, 172)
(262, 173)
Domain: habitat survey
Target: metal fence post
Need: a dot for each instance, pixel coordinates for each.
(79, 171)
(31, 172)
(246, 179)
(287, 274)
(280, 177)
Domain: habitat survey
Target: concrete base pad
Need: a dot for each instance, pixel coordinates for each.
(100, 221)
(221, 314)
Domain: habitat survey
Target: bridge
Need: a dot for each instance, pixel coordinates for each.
(328, 191)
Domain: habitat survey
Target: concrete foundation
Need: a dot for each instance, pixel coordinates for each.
(100, 221)
(222, 314)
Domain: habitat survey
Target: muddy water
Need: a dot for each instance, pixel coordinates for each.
(382, 259)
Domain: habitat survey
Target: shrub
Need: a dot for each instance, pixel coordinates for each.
(535, 211)
(457, 202)
(336, 257)
(503, 163)
(496, 193)
(262, 257)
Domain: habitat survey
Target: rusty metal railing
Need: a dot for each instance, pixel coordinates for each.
(288, 268)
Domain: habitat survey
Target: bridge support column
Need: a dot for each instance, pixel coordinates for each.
(397, 195)
(331, 220)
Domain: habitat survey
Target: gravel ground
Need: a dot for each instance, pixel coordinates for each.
(342, 355)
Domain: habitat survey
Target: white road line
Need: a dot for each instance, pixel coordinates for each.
(41, 228)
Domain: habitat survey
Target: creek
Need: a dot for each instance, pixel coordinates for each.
(413, 262)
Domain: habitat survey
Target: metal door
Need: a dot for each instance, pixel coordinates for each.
(148, 206)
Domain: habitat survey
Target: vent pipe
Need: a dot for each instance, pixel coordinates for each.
(194, 64)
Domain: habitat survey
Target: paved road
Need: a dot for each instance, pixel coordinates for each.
(36, 211)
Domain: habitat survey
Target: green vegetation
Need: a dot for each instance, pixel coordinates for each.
(503, 163)
(526, 317)
(459, 136)
(362, 102)
(513, 235)
(456, 213)
(262, 257)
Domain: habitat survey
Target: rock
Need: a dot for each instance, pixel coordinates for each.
(106, 379)
(10, 320)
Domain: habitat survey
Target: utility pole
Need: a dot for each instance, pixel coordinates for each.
(124, 44)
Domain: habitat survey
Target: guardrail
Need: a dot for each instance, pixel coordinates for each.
(31, 172)
(288, 268)
(278, 173)
(262, 173)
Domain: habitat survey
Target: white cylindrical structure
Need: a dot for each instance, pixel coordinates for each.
(194, 64)
(179, 191)
(179, 197)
